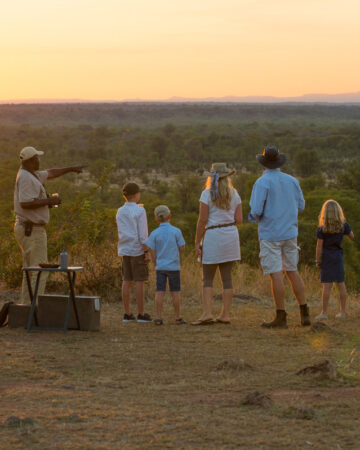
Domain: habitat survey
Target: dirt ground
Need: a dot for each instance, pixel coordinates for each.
(144, 386)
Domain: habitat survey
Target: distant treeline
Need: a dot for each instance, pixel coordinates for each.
(310, 149)
(152, 114)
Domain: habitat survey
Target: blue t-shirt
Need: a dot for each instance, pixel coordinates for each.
(166, 240)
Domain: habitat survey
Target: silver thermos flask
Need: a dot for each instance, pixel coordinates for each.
(63, 260)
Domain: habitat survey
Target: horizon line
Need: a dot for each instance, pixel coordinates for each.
(353, 97)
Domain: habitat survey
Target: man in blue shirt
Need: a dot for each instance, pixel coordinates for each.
(165, 243)
(275, 202)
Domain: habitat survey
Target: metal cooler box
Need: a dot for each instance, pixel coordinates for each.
(52, 310)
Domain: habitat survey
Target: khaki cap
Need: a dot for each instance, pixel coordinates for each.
(162, 212)
(28, 152)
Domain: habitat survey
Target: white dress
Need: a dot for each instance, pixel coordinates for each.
(221, 244)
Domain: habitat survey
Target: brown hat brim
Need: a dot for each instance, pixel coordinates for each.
(272, 164)
(221, 175)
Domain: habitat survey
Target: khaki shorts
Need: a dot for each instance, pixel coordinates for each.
(276, 256)
(134, 268)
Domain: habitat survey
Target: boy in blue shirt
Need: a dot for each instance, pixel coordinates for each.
(165, 243)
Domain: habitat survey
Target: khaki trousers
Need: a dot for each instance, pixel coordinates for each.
(34, 251)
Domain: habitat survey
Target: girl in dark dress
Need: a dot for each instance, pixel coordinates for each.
(329, 253)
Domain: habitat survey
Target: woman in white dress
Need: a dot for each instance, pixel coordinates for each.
(217, 239)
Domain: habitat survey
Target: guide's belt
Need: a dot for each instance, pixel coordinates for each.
(29, 226)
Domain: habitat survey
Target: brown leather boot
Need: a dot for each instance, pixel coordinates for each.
(304, 315)
(278, 322)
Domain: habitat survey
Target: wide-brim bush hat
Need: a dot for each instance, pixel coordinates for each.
(28, 153)
(221, 170)
(271, 158)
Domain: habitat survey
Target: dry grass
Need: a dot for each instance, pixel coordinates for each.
(141, 386)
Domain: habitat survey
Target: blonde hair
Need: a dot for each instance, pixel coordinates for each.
(225, 192)
(331, 218)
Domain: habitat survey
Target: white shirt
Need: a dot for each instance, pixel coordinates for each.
(29, 187)
(221, 244)
(132, 229)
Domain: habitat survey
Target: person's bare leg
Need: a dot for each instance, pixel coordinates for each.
(325, 297)
(159, 299)
(226, 305)
(176, 302)
(342, 296)
(278, 289)
(139, 295)
(297, 286)
(125, 293)
(207, 297)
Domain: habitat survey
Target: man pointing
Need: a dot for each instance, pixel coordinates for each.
(31, 206)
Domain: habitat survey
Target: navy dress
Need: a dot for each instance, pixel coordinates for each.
(332, 265)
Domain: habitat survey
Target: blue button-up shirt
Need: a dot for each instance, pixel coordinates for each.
(166, 240)
(275, 201)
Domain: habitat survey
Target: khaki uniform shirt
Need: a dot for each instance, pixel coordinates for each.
(28, 188)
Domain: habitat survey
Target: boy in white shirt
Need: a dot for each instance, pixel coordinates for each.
(133, 232)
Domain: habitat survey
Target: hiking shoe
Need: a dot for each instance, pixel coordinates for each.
(180, 321)
(304, 315)
(341, 315)
(278, 322)
(145, 318)
(128, 318)
(322, 316)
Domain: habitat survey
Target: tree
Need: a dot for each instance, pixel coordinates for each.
(307, 163)
(350, 178)
(188, 188)
(159, 145)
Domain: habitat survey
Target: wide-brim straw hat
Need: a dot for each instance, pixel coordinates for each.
(221, 170)
(271, 158)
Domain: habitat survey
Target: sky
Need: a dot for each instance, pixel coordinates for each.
(157, 49)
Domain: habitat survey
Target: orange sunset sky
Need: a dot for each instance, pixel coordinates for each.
(156, 49)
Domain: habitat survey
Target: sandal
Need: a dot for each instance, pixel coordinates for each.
(180, 321)
(158, 322)
(203, 322)
(224, 322)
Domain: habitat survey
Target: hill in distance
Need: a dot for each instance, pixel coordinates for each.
(352, 97)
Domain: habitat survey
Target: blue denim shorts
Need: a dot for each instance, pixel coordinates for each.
(174, 280)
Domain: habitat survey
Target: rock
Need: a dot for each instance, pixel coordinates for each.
(242, 298)
(233, 364)
(300, 413)
(68, 386)
(70, 418)
(28, 421)
(13, 421)
(319, 327)
(73, 418)
(325, 370)
(258, 399)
